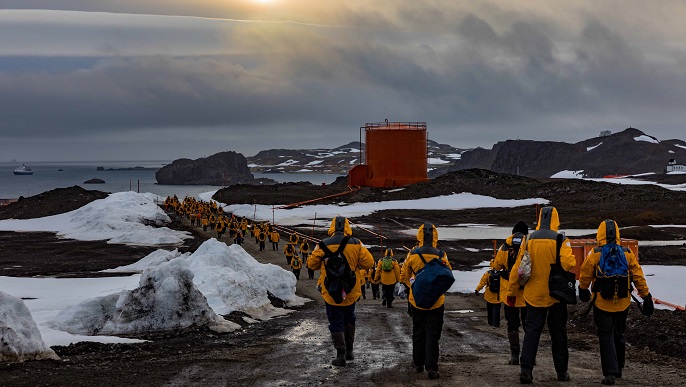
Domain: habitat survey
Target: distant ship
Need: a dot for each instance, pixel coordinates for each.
(23, 170)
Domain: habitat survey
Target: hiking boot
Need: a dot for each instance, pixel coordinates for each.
(418, 369)
(525, 376)
(563, 376)
(619, 374)
(339, 343)
(349, 341)
(434, 374)
(608, 380)
(513, 337)
(383, 302)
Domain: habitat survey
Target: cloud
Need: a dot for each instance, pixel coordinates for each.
(476, 72)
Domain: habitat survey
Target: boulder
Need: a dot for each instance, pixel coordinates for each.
(20, 339)
(224, 168)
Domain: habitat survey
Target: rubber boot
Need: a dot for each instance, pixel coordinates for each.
(339, 343)
(514, 347)
(349, 341)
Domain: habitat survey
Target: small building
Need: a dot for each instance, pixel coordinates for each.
(672, 166)
(605, 133)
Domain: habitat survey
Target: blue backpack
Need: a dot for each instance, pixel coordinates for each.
(432, 281)
(612, 273)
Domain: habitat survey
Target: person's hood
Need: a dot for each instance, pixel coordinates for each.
(340, 225)
(522, 227)
(427, 235)
(492, 264)
(608, 231)
(388, 253)
(548, 219)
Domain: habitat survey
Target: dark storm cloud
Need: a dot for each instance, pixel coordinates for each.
(476, 74)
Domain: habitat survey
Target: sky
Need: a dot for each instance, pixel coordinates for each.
(160, 80)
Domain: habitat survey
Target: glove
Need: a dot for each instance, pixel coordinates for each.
(511, 300)
(476, 292)
(584, 295)
(648, 306)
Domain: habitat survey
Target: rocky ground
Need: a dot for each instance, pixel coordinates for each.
(296, 350)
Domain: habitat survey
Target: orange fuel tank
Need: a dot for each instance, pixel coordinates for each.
(396, 155)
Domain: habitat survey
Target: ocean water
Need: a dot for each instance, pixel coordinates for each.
(47, 176)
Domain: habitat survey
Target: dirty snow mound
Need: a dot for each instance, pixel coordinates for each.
(166, 300)
(122, 217)
(153, 259)
(20, 339)
(232, 280)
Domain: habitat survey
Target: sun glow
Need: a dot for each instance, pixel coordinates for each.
(264, 1)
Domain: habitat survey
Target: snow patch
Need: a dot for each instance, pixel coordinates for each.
(155, 258)
(122, 217)
(646, 138)
(287, 163)
(679, 146)
(671, 151)
(676, 173)
(568, 175)
(165, 300)
(436, 161)
(454, 155)
(353, 161)
(304, 170)
(20, 340)
(590, 148)
(315, 162)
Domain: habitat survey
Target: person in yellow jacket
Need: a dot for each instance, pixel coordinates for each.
(612, 276)
(388, 273)
(341, 314)
(504, 260)
(371, 277)
(305, 251)
(204, 222)
(427, 324)
(261, 238)
(362, 277)
(542, 247)
(492, 299)
(274, 237)
(289, 251)
(296, 263)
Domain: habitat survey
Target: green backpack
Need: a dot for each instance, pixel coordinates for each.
(295, 261)
(387, 264)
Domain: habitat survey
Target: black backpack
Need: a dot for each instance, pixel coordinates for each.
(561, 283)
(512, 253)
(340, 278)
(494, 281)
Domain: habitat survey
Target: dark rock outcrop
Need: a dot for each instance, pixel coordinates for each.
(224, 168)
(56, 201)
(624, 153)
(94, 181)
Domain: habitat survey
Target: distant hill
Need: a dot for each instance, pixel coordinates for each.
(335, 160)
(627, 152)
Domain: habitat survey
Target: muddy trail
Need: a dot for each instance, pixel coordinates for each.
(296, 350)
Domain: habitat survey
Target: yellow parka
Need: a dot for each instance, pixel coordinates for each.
(305, 247)
(427, 236)
(590, 266)
(274, 237)
(371, 276)
(388, 277)
(356, 254)
(541, 245)
(292, 252)
(362, 276)
(293, 265)
(500, 263)
(262, 237)
(489, 296)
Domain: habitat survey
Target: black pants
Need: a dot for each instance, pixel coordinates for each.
(364, 292)
(310, 273)
(375, 291)
(556, 316)
(289, 259)
(611, 328)
(275, 245)
(388, 293)
(493, 311)
(261, 245)
(426, 332)
(513, 317)
(297, 273)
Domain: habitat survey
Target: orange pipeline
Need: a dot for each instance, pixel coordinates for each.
(673, 306)
(298, 204)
